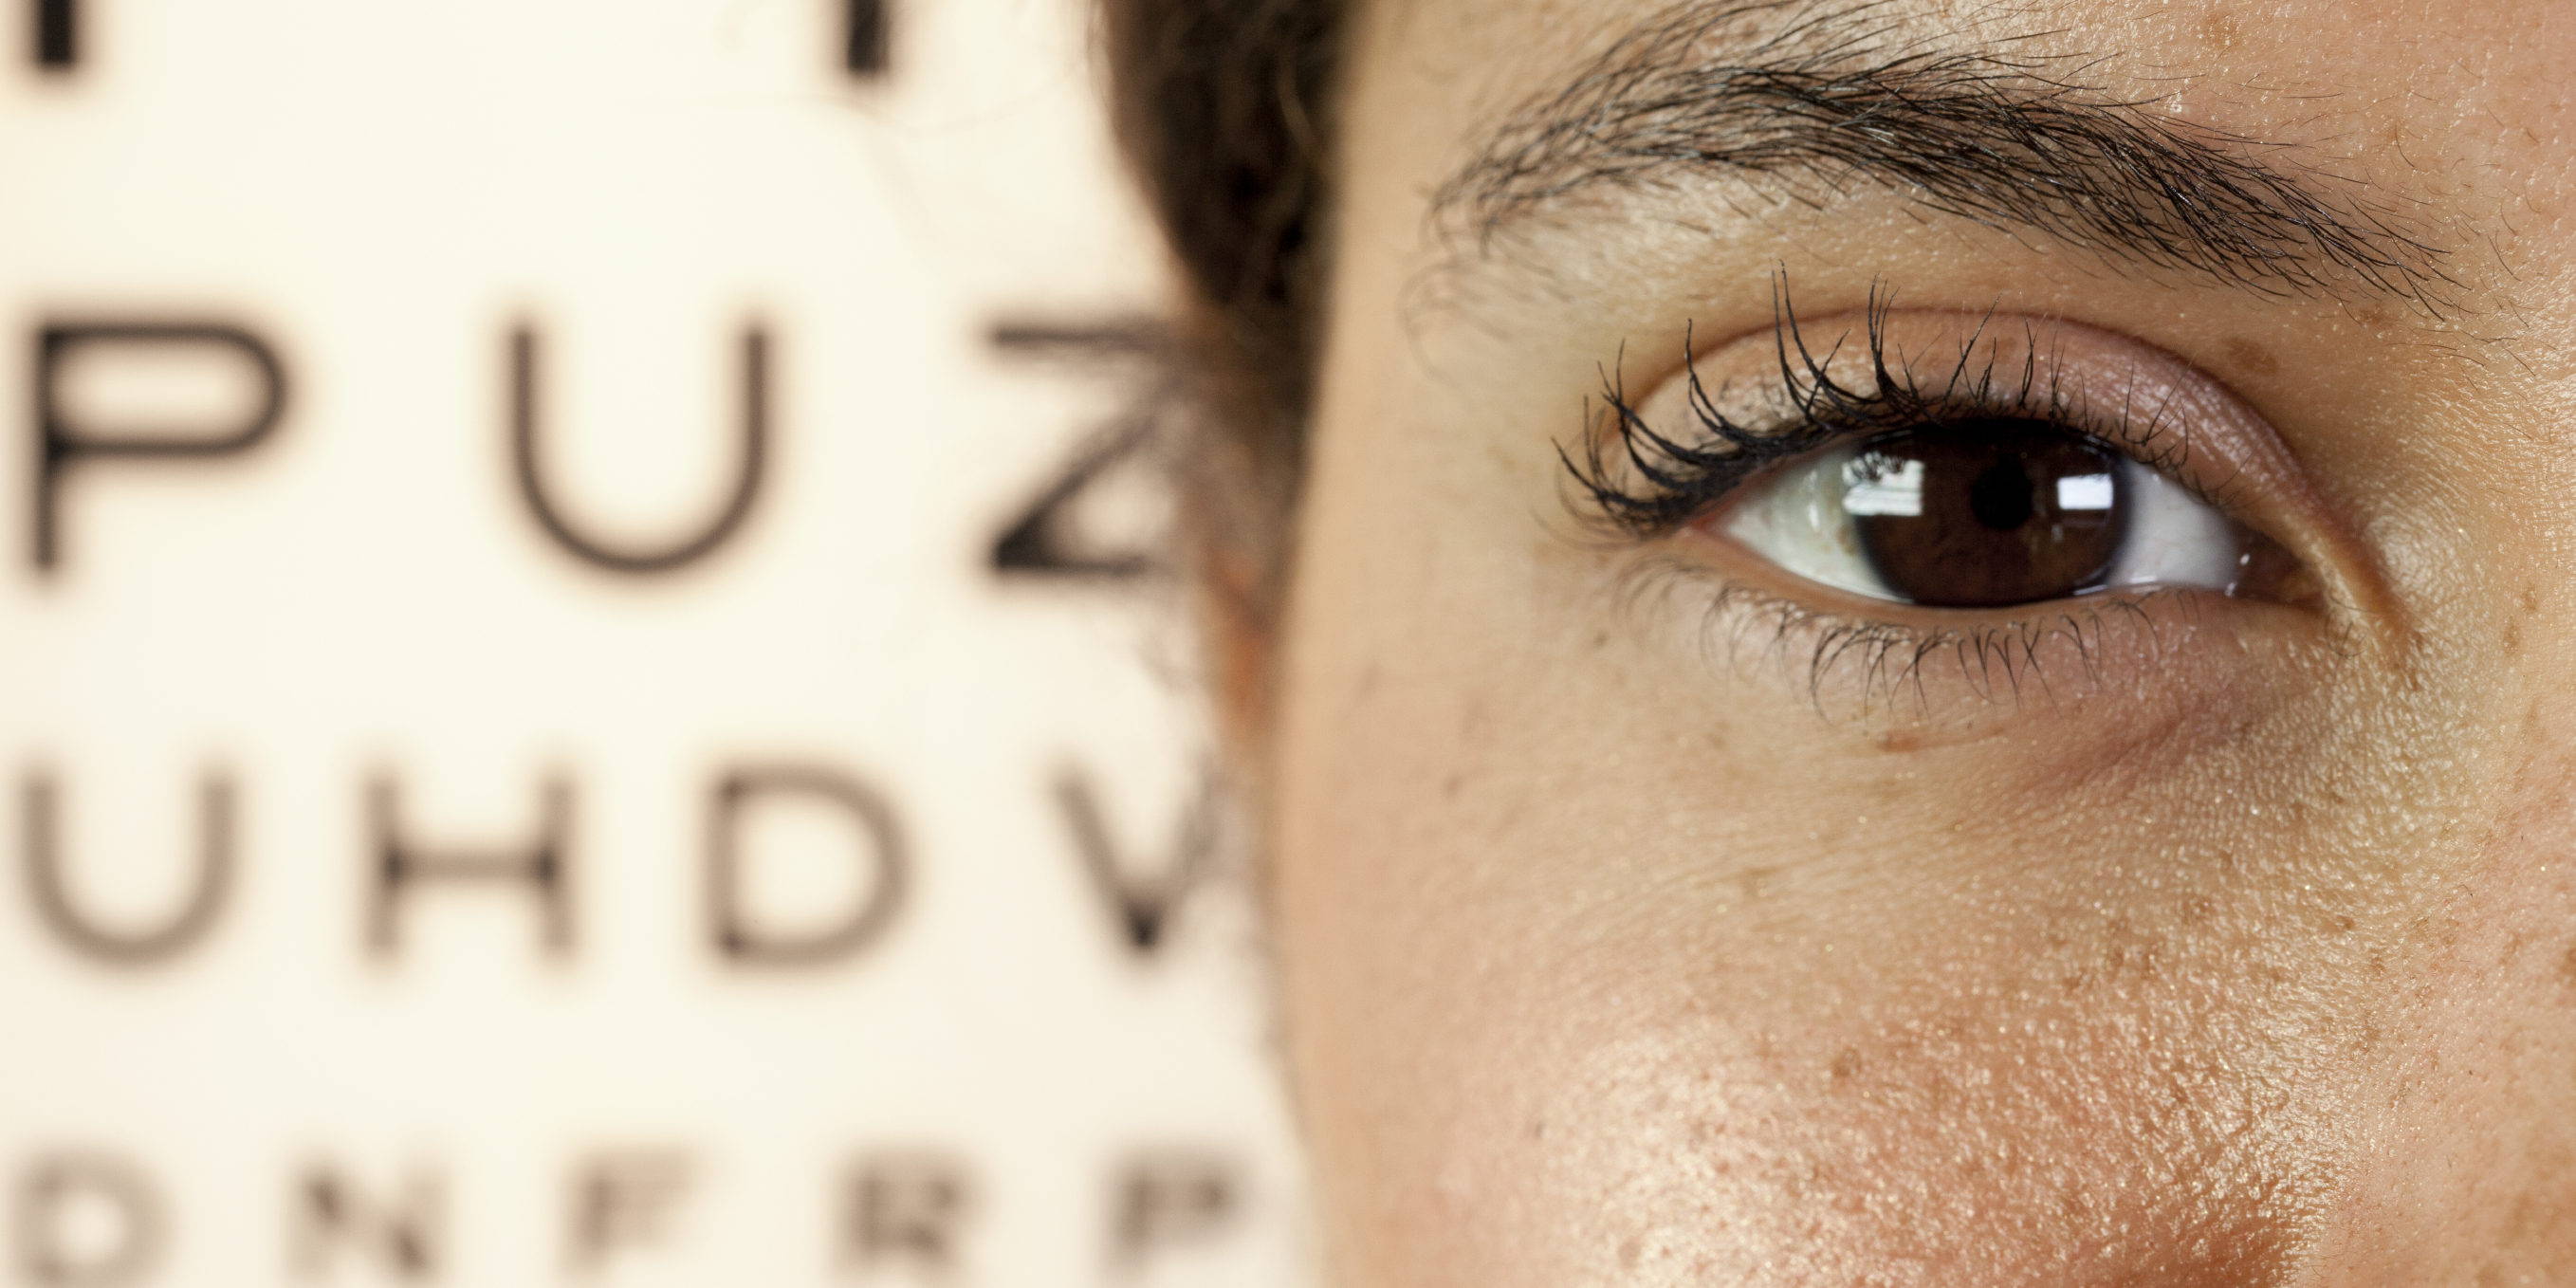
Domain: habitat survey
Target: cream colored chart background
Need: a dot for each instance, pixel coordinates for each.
(986, 1015)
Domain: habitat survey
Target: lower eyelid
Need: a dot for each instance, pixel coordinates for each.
(1940, 676)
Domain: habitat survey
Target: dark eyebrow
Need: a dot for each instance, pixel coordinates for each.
(1827, 98)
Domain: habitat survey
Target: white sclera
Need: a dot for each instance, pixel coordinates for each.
(1801, 519)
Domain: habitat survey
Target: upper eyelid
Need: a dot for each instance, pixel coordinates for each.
(1641, 481)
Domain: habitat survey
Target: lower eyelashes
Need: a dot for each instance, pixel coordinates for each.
(1923, 671)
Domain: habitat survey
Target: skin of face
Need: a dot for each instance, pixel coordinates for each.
(1619, 945)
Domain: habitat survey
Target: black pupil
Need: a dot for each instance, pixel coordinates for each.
(1981, 514)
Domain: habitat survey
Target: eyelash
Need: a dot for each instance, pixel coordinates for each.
(1998, 661)
(1641, 484)
(1666, 484)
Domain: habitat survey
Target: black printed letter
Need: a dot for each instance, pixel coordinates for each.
(621, 1199)
(50, 889)
(748, 476)
(735, 937)
(1143, 905)
(906, 1209)
(864, 37)
(1168, 1199)
(58, 1186)
(57, 35)
(547, 866)
(405, 1232)
(59, 446)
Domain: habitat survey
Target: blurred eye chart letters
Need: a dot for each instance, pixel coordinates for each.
(593, 694)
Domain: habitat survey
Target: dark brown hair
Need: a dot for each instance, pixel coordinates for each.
(1222, 107)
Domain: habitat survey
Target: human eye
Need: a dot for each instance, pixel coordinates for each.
(1921, 483)
(1987, 511)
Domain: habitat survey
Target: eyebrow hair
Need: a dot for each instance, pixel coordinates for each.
(1836, 97)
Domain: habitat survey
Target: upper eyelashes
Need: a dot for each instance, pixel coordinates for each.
(1646, 481)
(1970, 472)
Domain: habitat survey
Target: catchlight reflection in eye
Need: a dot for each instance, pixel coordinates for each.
(1985, 515)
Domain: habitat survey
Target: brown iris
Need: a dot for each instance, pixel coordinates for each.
(1984, 514)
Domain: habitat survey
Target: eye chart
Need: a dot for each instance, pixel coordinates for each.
(591, 693)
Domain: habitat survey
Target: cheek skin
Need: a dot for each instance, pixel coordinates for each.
(1719, 1044)
(2474, 1179)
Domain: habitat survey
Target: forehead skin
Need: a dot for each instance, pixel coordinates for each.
(1607, 962)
